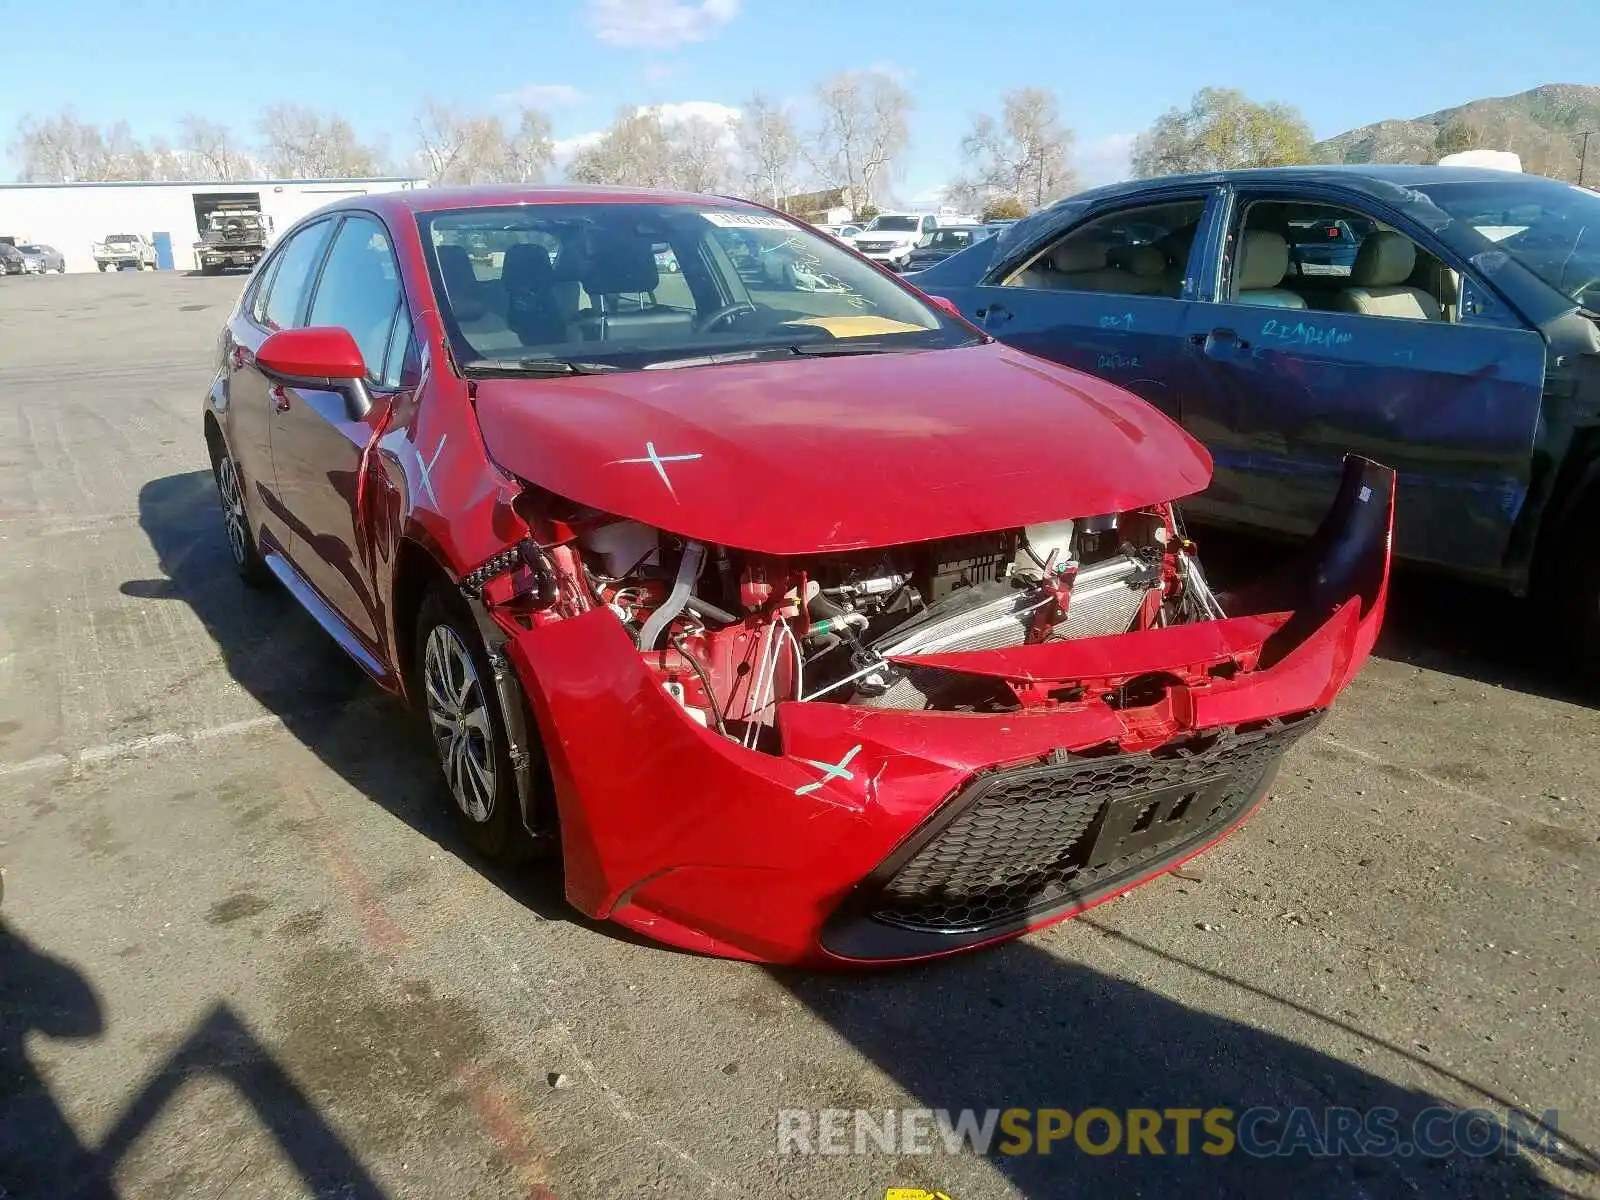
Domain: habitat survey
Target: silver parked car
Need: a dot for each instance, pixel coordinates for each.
(38, 258)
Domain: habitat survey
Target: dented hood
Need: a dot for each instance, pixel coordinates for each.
(817, 454)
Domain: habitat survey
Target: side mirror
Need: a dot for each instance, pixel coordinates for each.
(323, 357)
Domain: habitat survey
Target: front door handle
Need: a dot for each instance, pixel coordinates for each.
(280, 398)
(994, 314)
(1219, 341)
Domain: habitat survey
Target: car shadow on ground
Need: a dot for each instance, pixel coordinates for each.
(1019, 1027)
(278, 654)
(1435, 622)
(41, 1154)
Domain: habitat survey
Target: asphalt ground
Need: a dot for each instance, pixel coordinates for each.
(243, 953)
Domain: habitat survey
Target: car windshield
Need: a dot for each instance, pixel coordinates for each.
(120, 238)
(951, 239)
(612, 286)
(30, 249)
(893, 224)
(1551, 228)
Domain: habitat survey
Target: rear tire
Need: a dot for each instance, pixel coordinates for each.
(247, 560)
(460, 705)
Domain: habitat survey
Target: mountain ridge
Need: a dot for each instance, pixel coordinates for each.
(1544, 125)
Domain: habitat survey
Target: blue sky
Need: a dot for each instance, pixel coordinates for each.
(1115, 66)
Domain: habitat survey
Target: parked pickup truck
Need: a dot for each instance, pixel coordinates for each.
(125, 252)
(232, 238)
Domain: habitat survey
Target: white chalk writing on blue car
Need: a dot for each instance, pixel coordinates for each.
(1117, 321)
(1302, 333)
(1112, 361)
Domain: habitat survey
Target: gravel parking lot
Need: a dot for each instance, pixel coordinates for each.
(242, 953)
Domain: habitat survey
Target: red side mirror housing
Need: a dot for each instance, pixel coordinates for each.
(321, 352)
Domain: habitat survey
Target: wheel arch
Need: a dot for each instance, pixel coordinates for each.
(416, 571)
(215, 442)
(1577, 494)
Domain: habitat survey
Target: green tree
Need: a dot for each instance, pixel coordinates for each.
(1222, 130)
(867, 211)
(1456, 135)
(1006, 208)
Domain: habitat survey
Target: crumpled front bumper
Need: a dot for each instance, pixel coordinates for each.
(886, 835)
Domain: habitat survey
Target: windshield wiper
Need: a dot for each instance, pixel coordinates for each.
(534, 366)
(847, 346)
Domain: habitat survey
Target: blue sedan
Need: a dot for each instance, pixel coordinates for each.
(1449, 326)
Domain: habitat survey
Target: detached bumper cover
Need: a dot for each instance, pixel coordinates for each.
(886, 835)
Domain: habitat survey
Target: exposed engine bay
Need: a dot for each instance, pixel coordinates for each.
(732, 634)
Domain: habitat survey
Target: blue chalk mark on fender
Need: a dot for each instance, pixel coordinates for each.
(1114, 321)
(830, 771)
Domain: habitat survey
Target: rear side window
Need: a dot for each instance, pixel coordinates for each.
(290, 280)
(360, 289)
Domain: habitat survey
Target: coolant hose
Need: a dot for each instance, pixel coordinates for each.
(694, 555)
(704, 608)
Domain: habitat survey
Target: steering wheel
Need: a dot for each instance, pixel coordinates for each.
(709, 322)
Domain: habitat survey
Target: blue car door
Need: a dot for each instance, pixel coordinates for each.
(1104, 290)
(1403, 356)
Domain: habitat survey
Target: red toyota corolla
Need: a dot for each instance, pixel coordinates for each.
(802, 620)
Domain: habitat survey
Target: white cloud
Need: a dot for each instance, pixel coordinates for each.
(1105, 159)
(565, 148)
(659, 24)
(686, 110)
(901, 75)
(671, 114)
(542, 95)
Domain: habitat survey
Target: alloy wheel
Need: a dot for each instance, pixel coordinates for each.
(458, 714)
(232, 496)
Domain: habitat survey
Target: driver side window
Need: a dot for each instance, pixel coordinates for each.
(1140, 251)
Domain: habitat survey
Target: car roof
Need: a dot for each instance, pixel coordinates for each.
(419, 200)
(1346, 174)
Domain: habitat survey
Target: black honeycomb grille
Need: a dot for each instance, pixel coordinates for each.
(1025, 840)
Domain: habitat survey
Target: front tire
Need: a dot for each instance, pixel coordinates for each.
(242, 546)
(456, 689)
(1578, 600)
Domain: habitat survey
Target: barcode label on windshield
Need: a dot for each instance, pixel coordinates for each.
(739, 220)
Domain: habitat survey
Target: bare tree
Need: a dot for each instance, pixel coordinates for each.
(635, 152)
(1222, 130)
(1025, 155)
(863, 132)
(58, 149)
(299, 143)
(209, 149)
(459, 147)
(698, 155)
(467, 148)
(769, 147)
(529, 151)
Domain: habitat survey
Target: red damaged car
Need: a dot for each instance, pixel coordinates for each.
(802, 620)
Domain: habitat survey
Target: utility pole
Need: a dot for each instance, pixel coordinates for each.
(1583, 156)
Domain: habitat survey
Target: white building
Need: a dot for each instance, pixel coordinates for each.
(73, 216)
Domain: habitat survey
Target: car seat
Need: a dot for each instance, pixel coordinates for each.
(1378, 281)
(1263, 262)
